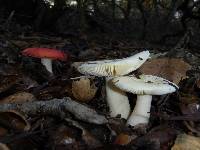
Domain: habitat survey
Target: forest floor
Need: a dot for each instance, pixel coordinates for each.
(64, 110)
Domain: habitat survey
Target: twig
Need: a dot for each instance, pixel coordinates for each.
(57, 107)
(8, 21)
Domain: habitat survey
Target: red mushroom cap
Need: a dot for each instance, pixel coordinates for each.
(45, 53)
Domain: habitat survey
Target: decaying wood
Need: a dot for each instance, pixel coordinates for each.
(57, 107)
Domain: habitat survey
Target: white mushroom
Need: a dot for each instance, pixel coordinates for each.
(116, 98)
(144, 87)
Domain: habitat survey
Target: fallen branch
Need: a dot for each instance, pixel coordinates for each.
(57, 107)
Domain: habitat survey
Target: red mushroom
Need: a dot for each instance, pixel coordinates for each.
(46, 55)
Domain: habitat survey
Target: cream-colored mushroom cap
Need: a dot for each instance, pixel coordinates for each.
(145, 85)
(114, 67)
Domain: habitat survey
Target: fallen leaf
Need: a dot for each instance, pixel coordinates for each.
(14, 120)
(186, 142)
(91, 141)
(124, 139)
(83, 90)
(20, 97)
(172, 69)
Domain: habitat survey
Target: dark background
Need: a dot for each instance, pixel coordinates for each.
(154, 21)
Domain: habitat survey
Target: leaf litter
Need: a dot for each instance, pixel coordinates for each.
(29, 96)
(83, 90)
(172, 69)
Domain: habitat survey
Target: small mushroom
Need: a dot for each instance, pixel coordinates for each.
(144, 87)
(46, 55)
(116, 98)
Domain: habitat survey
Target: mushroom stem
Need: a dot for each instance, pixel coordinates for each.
(117, 100)
(47, 63)
(141, 112)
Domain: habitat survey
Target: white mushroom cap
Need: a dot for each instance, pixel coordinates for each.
(114, 67)
(145, 85)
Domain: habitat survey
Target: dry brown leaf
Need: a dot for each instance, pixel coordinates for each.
(83, 90)
(172, 69)
(186, 142)
(124, 139)
(14, 120)
(20, 97)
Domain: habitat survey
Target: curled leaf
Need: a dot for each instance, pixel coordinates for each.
(83, 90)
(14, 120)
